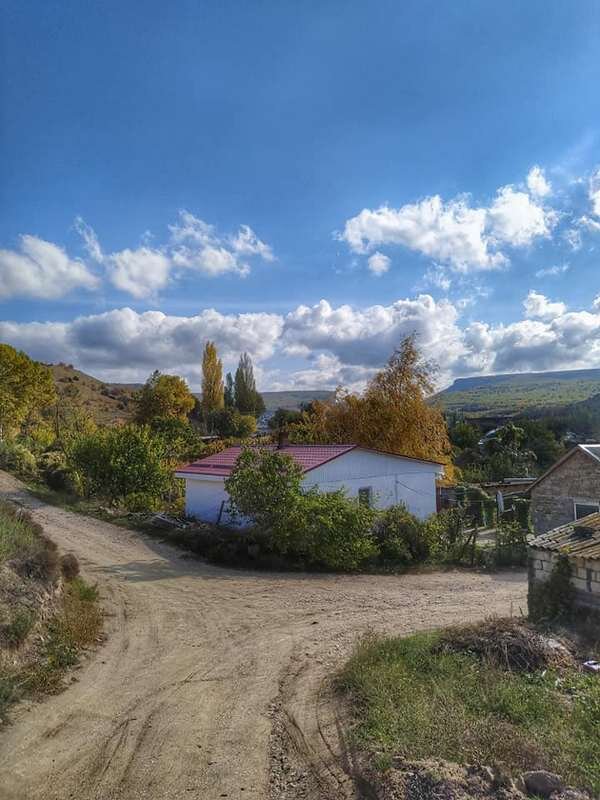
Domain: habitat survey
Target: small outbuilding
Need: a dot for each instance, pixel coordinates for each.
(579, 541)
(375, 478)
(568, 491)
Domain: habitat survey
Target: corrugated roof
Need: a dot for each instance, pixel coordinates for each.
(580, 538)
(309, 456)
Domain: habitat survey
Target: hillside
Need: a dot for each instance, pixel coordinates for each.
(112, 402)
(292, 399)
(107, 403)
(510, 394)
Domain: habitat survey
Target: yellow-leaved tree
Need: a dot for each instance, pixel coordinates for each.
(164, 396)
(26, 388)
(392, 414)
(212, 379)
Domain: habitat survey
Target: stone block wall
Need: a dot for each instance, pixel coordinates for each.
(585, 575)
(552, 499)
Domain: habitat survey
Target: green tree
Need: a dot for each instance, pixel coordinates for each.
(229, 393)
(121, 463)
(26, 388)
(229, 423)
(247, 399)
(263, 484)
(164, 396)
(212, 380)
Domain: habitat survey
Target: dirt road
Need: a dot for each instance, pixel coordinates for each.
(211, 681)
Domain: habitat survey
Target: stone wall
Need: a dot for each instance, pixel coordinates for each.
(552, 499)
(585, 576)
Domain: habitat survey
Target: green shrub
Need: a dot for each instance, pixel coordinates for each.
(327, 529)
(115, 463)
(15, 631)
(264, 486)
(401, 537)
(17, 458)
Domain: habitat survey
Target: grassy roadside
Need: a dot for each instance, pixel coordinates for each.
(48, 614)
(414, 699)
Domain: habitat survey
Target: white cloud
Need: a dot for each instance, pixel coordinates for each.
(378, 263)
(450, 232)
(537, 306)
(594, 192)
(90, 240)
(552, 272)
(455, 233)
(123, 345)
(515, 219)
(43, 270)
(537, 183)
(140, 273)
(339, 345)
(196, 245)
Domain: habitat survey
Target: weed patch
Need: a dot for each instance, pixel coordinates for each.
(415, 698)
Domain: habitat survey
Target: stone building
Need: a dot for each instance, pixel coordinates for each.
(568, 491)
(580, 542)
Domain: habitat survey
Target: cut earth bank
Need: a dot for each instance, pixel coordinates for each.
(213, 682)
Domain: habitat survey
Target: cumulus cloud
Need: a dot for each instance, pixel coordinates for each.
(456, 233)
(537, 306)
(537, 183)
(43, 270)
(140, 273)
(196, 245)
(378, 263)
(125, 345)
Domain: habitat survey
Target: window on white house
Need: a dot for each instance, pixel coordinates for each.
(365, 496)
(584, 508)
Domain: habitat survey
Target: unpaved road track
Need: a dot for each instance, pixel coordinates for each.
(211, 680)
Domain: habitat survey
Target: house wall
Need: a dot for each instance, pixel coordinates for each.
(393, 480)
(203, 498)
(585, 575)
(578, 477)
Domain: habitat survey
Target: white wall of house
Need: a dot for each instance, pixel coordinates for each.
(391, 480)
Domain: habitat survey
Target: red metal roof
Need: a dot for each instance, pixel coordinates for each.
(309, 456)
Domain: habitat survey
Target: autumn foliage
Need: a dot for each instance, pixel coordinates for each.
(392, 414)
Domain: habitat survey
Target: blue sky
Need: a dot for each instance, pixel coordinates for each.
(309, 182)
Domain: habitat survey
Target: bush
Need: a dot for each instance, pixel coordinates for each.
(15, 631)
(115, 463)
(263, 486)
(69, 566)
(17, 458)
(401, 537)
(327, 529)
(229, 423)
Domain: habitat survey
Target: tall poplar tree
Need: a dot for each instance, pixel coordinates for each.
(229, 392)
(247, 399)
(212, 379)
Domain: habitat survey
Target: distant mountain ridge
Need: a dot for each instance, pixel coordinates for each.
(482, 395)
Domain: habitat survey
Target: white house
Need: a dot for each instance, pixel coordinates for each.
(374, 477)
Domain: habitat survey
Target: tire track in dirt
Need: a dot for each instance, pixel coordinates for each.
(213, 682)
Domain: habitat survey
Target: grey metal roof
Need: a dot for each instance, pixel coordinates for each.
(592, 450)
(580, 538)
